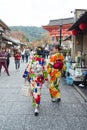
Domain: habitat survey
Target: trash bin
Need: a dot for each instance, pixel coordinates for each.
(69, 80)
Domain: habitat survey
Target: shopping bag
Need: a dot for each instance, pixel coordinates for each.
(26, 90)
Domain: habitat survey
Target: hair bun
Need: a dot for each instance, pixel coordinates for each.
(57, 46)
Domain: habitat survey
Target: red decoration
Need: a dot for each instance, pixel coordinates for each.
(37, 99)
(37, 58)
(74, 32)
(83, 26)
(40, 79)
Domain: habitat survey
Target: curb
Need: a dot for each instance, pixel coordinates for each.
(80, 92)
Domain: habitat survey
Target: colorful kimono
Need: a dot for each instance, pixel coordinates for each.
(36, 75)
(54, 69)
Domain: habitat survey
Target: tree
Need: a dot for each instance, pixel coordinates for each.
(19, 36)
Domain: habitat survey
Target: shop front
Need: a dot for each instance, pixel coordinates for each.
(79, 50)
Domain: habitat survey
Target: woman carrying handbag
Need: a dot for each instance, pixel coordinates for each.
(36, 75)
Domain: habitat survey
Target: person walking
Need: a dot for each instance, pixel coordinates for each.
(3, 60)
(17, 57)
(23, 54)
(8, 57)
(68, 63)
(54, 69)
(26, 55)
(37, 76)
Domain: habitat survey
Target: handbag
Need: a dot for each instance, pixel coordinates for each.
(26, 90)
(58, 65)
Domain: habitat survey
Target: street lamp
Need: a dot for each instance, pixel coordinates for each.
(60, 24)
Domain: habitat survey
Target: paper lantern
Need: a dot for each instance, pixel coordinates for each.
(74, 32)
(83, 26)
(78, 42)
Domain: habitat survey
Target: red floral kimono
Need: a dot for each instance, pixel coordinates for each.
(36, 76)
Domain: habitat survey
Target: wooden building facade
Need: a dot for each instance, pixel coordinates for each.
(5, 38)
(79, 32)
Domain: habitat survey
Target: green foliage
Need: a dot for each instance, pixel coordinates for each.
(32, 33)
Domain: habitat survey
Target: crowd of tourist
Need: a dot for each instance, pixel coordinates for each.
(20, 56)
(39, 70)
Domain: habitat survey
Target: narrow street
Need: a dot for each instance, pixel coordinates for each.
(16, 111)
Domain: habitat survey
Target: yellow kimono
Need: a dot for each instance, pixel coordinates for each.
(55, 74)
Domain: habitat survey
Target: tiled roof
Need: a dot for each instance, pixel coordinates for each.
(4, 26)
(61, 21)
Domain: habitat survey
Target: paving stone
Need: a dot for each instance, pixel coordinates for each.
(14, 122)
(2, 121)
(73, 109)
(76, 123)
(9, 90)
(45, 123)
(83, 122)
(14, 97)
(21, 108)
(85, 105)
(5, 107)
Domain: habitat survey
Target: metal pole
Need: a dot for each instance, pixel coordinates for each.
(60, 34)
(81, 52)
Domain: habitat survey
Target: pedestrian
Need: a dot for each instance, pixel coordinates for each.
(32, 52)
(8, 57)
(37, 76)
(68, 63)
(47, 53)
(54, 69)
(26, 55)
(3, 60)
(23, 54)
(17, 57)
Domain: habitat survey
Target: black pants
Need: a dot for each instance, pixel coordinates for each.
(8, 63)
(26, 59)
(23, 58)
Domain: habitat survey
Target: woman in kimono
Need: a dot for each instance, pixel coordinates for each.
(36, 76)
(54, 69)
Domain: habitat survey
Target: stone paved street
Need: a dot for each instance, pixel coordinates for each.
(16, 111)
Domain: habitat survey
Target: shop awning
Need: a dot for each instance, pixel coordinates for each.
(8, 39)
(82, 19)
